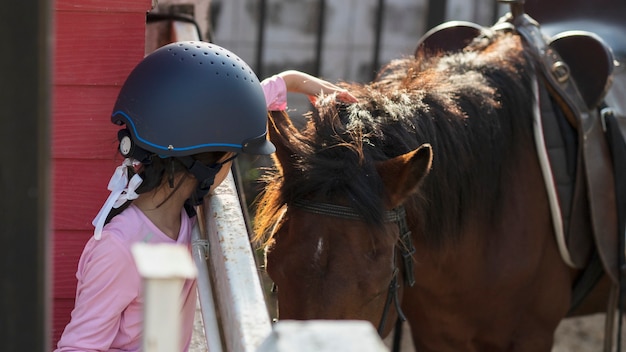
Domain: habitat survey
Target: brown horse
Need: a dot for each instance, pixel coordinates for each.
(424, 200)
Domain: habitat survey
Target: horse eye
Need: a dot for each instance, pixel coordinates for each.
(372, 254)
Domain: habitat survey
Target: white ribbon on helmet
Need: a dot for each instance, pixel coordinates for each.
(122, 190)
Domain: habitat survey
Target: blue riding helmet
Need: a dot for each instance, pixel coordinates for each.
(192, 97)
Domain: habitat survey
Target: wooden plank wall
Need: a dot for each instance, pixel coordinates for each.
(96, 45)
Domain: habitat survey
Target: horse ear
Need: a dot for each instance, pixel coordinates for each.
(403, 174)
(281, 132)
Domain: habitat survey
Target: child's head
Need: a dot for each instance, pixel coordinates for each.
(190, 98)
(186, 106)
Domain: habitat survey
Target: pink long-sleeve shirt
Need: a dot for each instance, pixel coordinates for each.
(108, 311)
(275, 91)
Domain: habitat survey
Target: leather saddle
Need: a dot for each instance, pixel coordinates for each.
(602, 17)
(577, 68)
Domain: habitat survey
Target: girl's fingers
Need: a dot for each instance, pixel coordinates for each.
(341, 94)
(346, 96)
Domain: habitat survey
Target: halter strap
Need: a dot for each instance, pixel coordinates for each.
(340, 211)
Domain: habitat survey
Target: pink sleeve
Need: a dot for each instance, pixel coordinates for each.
(107, 283)
(275, 91)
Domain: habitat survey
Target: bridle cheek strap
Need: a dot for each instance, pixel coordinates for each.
(406, 246)
(407, 250)
(392, 295)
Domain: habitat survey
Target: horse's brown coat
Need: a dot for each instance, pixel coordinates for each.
(488, 271)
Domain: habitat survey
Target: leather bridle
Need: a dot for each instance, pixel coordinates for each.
(406, 248)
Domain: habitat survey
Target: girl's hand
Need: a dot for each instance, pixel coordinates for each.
(300, 82)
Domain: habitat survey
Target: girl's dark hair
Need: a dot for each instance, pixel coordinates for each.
(157, 169)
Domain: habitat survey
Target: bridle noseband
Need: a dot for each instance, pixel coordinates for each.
(406, 248)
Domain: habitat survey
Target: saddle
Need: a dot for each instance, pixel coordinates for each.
(602, 17)
(575, 70)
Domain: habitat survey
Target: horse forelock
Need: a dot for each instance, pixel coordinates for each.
(472, 107)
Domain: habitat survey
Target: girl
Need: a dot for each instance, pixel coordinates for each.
(187, 109)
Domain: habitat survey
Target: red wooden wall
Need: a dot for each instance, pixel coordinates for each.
(96, 45)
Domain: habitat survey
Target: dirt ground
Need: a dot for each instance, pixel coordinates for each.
(580, 334)
(198, 342)
(573, 335)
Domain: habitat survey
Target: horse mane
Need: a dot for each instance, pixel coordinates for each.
(475, 109)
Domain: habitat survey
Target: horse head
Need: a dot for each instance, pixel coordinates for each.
(338, 241)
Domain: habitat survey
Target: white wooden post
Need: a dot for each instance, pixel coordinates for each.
(164, 268)
(323, 336)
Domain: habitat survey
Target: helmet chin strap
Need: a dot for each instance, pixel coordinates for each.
(204, 174)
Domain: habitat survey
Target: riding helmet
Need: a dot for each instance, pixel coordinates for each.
(191, 97)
